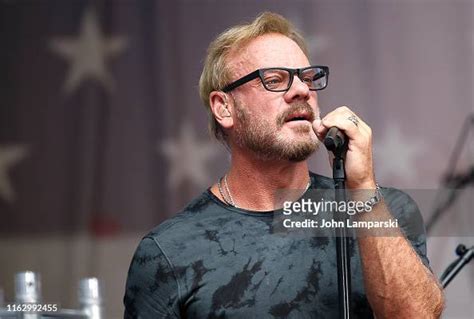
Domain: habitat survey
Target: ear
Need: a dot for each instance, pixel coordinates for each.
(222, 108)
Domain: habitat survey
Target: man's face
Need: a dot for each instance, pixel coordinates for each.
(268, 123)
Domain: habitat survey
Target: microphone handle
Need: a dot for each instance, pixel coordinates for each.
(335, 140)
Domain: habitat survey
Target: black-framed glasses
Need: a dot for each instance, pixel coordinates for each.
(280, 79)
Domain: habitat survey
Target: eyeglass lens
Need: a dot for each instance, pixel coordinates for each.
(280, 79)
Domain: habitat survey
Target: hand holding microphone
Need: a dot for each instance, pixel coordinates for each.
(341, 130)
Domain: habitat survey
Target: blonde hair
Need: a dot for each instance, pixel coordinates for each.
(216, 74)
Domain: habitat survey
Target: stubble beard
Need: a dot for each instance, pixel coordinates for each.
(268, 143)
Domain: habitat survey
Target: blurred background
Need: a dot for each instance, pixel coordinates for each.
(103, 135)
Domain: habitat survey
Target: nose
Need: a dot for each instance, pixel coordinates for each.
(297, 91)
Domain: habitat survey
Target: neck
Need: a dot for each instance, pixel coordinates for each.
(254, 183)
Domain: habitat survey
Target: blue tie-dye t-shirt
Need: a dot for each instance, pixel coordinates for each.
(216, 261)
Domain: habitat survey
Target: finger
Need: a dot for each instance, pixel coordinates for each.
(342, 122)
(348, 121)
(316, 124)
(364, 128)
(335, 116)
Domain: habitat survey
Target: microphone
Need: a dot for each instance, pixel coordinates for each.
(335, 140)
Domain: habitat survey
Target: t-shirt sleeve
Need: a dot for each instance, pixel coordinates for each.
(410, 221)
(152, 289)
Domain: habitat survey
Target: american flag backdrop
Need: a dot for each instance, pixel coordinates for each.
(103, 135)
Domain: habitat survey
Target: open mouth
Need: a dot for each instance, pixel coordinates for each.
(299, 117)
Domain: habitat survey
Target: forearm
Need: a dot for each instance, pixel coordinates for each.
(397, 283)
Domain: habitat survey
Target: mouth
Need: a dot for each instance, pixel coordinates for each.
(299, 116)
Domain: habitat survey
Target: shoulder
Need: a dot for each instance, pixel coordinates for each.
(155, 278)
(401, 205)
(404, 208)
(191, 230)
(198, 209)
(152, 287)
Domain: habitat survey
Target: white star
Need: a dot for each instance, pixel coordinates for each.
(396, 155)
(87, 53)
(9, 156)
(187, 158)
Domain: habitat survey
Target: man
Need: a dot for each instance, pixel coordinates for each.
(223, 255)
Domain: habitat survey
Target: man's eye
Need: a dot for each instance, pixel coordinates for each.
(273, 80)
